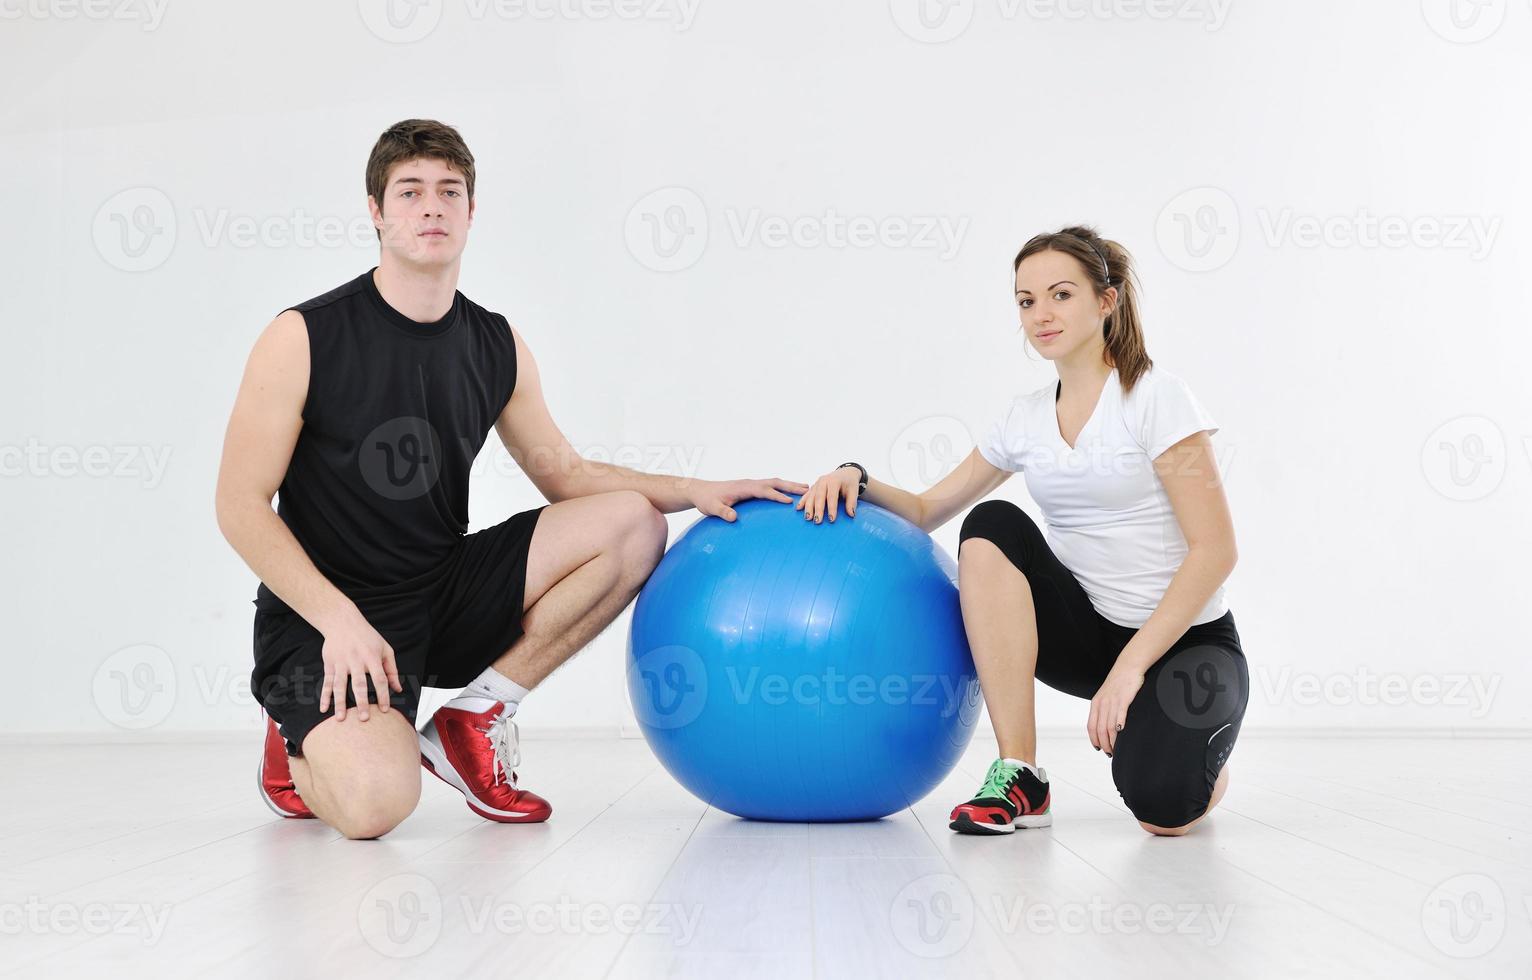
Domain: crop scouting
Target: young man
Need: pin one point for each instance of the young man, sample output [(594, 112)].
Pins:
[(366, 407)]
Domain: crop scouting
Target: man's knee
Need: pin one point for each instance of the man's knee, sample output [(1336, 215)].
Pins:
[(376, 811), (368, 772), (642, 528)]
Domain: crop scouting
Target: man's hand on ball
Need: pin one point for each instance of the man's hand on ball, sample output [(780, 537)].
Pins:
[(717, 498)]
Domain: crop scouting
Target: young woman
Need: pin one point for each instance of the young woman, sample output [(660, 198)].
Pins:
[(1121, 602)]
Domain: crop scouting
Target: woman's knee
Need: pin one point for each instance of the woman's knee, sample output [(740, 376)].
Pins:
[(1164, 803), (1003, 525)]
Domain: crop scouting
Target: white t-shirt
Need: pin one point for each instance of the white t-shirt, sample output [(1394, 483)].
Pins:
[(1105, 511)]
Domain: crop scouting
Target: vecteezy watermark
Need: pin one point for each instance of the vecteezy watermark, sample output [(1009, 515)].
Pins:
[(137, 229), (400, 21), (933, 916), (406, 21), (948, 692), (146, 464), (1365, 687), (403, 915), (138, 686), (1465, 458), (669, 229), (938, 21), (401, 459), (680, 461), (150, 13), (1464, 916), (37, 917), (926, 450), (670, 687), (1202, 687), (135, 687), (1098, 916), (567, 917), (1463, 21), (1471, 233), (1200, 230)]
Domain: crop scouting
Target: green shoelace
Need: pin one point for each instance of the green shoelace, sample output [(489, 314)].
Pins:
[(1000, 774)]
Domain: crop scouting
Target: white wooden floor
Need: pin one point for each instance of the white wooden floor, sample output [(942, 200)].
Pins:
[(1333, 857)]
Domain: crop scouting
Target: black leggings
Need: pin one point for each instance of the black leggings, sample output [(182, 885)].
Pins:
[(1182, 724)]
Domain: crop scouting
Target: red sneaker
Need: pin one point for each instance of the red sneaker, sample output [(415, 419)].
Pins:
[(476, 753), (274, 777)]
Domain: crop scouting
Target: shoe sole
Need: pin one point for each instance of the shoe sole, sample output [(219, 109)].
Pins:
[(1031, 821), (427, 753)]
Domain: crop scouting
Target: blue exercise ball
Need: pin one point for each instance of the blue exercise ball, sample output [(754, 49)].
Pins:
[(783, 670)]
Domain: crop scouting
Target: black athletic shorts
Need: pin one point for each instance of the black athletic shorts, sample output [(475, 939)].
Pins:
[(1182, 724), (445, 626)]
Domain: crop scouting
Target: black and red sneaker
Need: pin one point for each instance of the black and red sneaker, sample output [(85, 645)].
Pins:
[(1012, 796)]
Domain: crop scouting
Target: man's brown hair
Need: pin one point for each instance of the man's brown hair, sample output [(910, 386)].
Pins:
[(415, 139)]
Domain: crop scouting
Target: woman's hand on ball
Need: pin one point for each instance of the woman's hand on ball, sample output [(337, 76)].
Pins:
[(716, 498), (826, 492)]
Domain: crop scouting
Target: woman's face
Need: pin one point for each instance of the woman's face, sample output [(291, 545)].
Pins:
[(1059, 311)]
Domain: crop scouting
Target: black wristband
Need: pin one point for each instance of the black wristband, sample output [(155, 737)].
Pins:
[(861, 486)]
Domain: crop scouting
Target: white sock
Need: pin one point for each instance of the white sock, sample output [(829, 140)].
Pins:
[(493, 686), (1026, 765)]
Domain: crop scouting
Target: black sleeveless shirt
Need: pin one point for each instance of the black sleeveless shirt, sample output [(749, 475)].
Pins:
[(396, 412)]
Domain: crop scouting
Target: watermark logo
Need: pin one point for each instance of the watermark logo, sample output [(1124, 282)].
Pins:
[(401, 459), (926, 450), (1198, 230), (135, 688), (933, 916), (667, 230), (669, 687), (1464, 916), (1200, 687), (1465, 458), (135, 229), (400, 21), (401, 916), (932, 21), (1463, 21)]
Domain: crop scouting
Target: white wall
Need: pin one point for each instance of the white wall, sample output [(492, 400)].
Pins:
[(1345, 372)]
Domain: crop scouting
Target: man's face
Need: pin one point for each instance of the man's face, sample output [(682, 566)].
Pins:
[(425, 213)]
